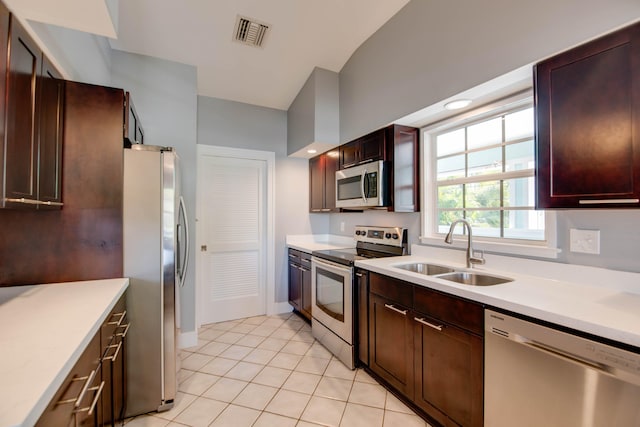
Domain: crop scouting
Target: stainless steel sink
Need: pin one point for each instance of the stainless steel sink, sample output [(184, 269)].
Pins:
[(474, 279), (424, 268)]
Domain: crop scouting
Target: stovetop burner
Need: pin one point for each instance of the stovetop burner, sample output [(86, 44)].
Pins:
[(371, 242)]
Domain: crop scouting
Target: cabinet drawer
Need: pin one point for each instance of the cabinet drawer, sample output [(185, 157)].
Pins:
[(115, 320), (450, 309), (295, 255), (301, 258), (392, 289), (305, 260)]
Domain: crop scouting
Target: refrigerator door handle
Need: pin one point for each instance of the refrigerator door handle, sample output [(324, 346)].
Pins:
[(182, 267)]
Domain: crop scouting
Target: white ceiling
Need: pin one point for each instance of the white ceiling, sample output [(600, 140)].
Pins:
[(303, 34)]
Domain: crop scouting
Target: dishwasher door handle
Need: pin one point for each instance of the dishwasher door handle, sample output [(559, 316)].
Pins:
[(571, 358)]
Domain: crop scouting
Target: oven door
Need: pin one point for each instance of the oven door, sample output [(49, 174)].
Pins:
[(332, 297)]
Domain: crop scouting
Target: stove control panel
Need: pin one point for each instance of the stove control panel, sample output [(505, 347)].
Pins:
[(394, 236)]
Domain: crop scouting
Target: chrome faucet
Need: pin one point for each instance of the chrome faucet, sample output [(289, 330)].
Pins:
[(471, 259)]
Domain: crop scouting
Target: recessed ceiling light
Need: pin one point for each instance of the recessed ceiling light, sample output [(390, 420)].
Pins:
[(312, 151), (457, 104)]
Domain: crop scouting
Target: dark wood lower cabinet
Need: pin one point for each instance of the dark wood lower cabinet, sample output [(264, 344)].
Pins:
[(428, 346), (94, 392), (300, 282), (448, 373), (70, 406), (114, 332), (391, 343)]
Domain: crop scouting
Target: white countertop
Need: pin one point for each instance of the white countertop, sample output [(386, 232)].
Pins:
[(45, 329), (319, 242), (601, 302)]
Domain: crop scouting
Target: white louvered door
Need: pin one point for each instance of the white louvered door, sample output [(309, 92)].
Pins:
[(232, 200)]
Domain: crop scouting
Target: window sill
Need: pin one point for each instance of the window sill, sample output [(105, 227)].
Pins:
[(536, 251)]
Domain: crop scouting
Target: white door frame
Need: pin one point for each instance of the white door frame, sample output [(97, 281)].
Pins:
[(240, 153)]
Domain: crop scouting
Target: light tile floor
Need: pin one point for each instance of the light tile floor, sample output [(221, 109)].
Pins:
[(271, 372)]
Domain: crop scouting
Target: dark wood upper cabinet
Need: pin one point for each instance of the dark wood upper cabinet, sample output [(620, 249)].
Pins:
[(20, 138), (133, 131), (587, 135), (50, 135), (400, 146), (33, 130), (322, 182), (368, 148)]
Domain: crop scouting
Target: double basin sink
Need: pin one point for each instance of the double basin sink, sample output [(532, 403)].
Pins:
[(448, 273)]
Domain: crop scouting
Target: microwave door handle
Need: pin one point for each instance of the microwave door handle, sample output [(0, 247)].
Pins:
[(362, 181)]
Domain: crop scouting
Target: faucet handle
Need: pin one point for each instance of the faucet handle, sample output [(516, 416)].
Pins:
[(474, 259)]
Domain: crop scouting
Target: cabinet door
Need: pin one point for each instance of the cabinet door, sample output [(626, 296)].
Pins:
[(330, 168), (405, 179), (349, 154), (588, 141), (50, 134), (295, 285), (448, 368), (133, 132), (391, 343), (305, 305), (372, 146), (362, 315), (316, 184), (21, 151)]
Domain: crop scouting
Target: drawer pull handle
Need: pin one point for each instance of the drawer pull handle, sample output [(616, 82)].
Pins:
[(431, 325), (606, 201), (123, 334), (115, 354), (33, 202), (359, 274), (90, 409), (74, 399), (85, 388), (397, 310), (122, 316)]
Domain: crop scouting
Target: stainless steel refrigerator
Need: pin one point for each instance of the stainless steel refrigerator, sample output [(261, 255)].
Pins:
[(155, 260)]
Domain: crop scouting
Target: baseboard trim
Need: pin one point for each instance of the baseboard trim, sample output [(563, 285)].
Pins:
[(279, 308), (187, 339)]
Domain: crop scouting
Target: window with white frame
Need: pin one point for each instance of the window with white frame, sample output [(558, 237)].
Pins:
[(482, 170)]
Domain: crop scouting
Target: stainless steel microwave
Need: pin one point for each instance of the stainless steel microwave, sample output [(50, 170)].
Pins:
[(364, 186)]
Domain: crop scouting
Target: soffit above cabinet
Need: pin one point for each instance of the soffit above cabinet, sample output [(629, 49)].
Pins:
[(313, 119), (90, 16)]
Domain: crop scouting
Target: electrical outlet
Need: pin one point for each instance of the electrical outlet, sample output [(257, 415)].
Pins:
[(584, 241), (341, 225)]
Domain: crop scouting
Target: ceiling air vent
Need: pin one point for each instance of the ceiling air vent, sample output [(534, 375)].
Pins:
[(250, 31)]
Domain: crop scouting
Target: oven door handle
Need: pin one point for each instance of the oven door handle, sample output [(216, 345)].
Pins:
[(329, 264)]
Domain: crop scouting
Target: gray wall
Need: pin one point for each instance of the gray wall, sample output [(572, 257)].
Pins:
[(417, 59), (233, 124), (164, 94), (434, 49), (82, 57)]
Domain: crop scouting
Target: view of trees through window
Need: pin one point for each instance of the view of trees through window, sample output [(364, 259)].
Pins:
[(485, 174)]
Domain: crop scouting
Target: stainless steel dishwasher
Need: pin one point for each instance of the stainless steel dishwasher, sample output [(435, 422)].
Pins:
[(539, 376)]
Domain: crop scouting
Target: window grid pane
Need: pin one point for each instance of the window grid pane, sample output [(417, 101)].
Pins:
[(492, 162)]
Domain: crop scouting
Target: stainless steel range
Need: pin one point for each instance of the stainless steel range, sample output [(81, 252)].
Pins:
[(332, 293)]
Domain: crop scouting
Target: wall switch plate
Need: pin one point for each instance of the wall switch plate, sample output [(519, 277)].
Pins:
[(584, 241), (341, 225)]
